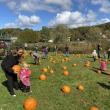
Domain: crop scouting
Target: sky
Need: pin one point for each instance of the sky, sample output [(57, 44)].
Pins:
[(37, 13)]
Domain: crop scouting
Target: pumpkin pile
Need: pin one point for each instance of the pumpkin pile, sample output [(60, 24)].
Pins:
[(30, 104)]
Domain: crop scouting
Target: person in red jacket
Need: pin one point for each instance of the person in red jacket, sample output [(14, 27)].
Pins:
[(8, 62)]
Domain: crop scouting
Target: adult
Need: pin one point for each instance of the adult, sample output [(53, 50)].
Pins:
[(98, 50), (66, 50), (108, 53), (36, 56), (9, 61)]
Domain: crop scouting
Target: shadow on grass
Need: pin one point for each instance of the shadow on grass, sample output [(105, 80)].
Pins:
[(95, 69), (4, 83), (105, 86)]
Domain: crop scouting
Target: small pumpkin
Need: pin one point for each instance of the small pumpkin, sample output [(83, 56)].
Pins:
[(30, 104), (51, 71), (42, 77), (80, 87), (16, 69), (66, 73), (74, 65), (65, 67), (94, 108), (45, 70), (99, 72), (66, 89)]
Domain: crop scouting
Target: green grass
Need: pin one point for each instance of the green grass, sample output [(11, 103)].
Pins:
[(48, 93)]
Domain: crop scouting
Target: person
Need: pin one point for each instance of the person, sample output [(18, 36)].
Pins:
[(103, 65), (25, 78), (36, 57), (8, 62), (45, 52), (98, 50), (94, 54), (66, 50), (55, 50), (108, 53), (105, 55), (25, 46)]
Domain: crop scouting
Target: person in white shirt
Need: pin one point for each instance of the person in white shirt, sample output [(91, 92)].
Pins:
[(94, 54)]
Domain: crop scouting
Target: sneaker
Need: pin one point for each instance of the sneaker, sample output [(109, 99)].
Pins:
[(13, 95)]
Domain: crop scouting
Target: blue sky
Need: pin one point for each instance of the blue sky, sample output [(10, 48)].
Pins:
[(37, 13)]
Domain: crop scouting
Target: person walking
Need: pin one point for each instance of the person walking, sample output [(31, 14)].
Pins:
[(8, 62)]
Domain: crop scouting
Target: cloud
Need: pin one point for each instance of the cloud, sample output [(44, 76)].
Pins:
[(76, 19), (35, 5), (105, 5), (66, 4), (23, 22)]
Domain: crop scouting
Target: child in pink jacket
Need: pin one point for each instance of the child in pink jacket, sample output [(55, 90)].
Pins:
[(25, 78), (103, 65)]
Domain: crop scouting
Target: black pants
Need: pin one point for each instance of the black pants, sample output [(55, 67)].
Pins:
[(12, 82), (108, 54), (24, 88)]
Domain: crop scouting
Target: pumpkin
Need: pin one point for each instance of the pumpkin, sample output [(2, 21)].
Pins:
[(66, 89), (42, 77), (94, 108), (30, 104), (65, 67), (74, 64), (16, 69), (99, 71), (66, 73), (81, 87), (51, 71), (45, 70)]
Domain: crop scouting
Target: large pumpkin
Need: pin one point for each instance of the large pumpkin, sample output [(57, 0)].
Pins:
[(30, 104), (42, 77), (66, 89), (66, 73), (16, 69), (94, 108)]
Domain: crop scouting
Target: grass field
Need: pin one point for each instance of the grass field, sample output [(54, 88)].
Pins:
[(48, 93)]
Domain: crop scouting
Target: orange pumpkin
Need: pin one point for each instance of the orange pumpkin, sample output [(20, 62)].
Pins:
[(81, 87), (66, 73), (45, 70), (65, 67), (94, 108), (30, 104), (74, 64), (16, 69), (66, 89), (42, 77)]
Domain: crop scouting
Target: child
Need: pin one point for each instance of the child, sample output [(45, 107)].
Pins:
[(36, 57), (103, 65), (105, 55), (25, 78), (94, 54)]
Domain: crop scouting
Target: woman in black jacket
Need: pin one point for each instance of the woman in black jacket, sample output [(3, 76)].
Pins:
[(7, 64)]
